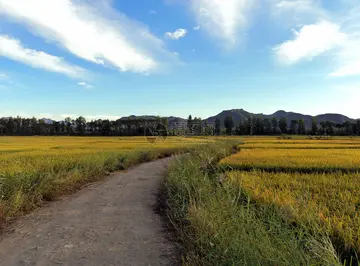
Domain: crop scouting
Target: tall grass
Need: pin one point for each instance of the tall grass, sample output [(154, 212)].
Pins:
[(220, 225)]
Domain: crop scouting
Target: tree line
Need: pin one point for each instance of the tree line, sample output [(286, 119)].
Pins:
[(75, 127), (192, 126), (273, 126)]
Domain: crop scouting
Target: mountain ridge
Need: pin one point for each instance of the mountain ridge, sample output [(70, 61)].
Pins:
[(241, 115)]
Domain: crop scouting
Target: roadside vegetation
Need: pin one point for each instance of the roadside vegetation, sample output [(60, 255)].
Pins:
[(36, 169), (220, 224), (276, 204)]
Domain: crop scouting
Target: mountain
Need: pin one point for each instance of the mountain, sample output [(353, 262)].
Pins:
[(241, 115), (48, 121), (237, 115), (337, 118), (172, 120)]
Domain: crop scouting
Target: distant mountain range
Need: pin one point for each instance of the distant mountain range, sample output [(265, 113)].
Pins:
[(241, 115)]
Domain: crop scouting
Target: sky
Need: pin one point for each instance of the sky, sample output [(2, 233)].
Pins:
[(111, 58)]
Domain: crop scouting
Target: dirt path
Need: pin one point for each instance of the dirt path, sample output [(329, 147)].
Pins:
[(108, 223)]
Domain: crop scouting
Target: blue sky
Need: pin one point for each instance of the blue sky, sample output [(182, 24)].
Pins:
[(106, 59)]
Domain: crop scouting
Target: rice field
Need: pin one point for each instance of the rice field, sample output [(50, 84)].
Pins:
[(33, 169), (304, 160), (314, 183), (331, 200), (301, 145)]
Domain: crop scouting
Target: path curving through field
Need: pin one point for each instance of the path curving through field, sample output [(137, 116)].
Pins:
[(108, 223)]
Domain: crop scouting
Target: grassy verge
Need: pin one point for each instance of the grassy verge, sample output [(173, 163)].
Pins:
[(52, 176), (220, 225)]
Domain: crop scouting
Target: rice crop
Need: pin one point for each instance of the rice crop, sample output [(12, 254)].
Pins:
[(331, 201), (293, 145), (303, 160), (33, 169)]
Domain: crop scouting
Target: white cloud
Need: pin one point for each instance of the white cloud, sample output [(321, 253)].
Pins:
[(176, 35), (98, 33), (340, 34), (222, 19), (153, 12), (85, 85), (13, 49), (310, 41), (196, 28)]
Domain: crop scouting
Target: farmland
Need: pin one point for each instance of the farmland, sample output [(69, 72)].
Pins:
[(34, 169), (305, 160), (313, 183), (272, 201)]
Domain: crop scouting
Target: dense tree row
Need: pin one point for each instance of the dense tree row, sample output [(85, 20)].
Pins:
[(272, 126), (193, 126), (78, 126)]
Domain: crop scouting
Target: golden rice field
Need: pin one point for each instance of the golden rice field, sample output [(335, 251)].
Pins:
[(323, 160), (36, 168), (302, 145), (331, 200), (314, 187)]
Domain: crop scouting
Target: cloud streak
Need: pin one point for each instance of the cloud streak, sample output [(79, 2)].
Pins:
[(98, 34), (85, 85), (222, 19), (176, 35), (14, 50)]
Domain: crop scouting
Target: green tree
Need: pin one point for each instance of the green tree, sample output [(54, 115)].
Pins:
[(293, 126), (259, 125), (330, 127), (80, 125), (314, 127), (302, 129), (267, 126), (283, 125), (323, 128), (189, 124), (348, 127), (68, 125), (217, 126), (358, 127), (229, 124), (197, 126), (250, 126), (274, 124)]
